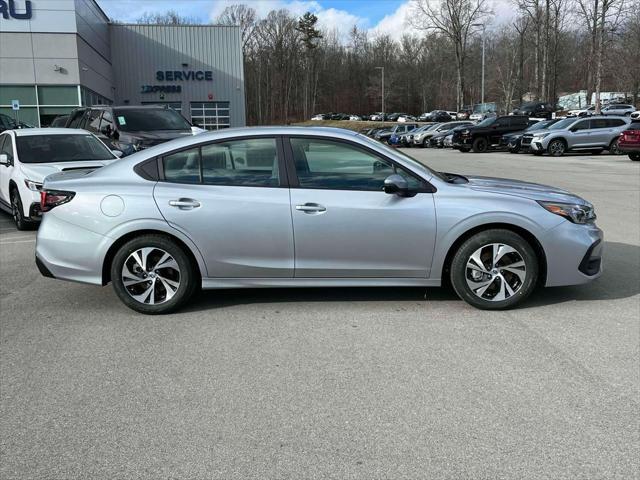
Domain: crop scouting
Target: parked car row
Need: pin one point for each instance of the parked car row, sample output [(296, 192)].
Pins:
[(520, 133)]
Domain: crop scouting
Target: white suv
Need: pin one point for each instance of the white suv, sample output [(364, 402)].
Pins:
[(28, 156)]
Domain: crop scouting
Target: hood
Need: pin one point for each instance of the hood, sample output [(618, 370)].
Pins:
[(38, 171), (533, 191)]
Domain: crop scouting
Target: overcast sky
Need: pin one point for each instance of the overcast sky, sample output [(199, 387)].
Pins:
[(378, 16)]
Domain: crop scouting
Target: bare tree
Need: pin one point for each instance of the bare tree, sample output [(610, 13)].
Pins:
[(244, 17), (454, 19), (169, 18)]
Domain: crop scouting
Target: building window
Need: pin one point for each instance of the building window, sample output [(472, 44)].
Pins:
[(91, 98), (177, 106), (210, 115)]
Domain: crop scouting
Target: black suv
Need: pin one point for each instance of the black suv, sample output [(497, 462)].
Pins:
[(536, 110), (130, 128), (487, 133)]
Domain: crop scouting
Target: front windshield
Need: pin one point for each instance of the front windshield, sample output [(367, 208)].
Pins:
[(539, 126), (486, 122), (562, 124), (61, 148), (428, 172), (149, 119)]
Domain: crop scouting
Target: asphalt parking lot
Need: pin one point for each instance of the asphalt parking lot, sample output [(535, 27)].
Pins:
[(334, 383)]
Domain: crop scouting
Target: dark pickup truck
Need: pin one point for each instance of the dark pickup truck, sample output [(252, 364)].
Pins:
[(486, 134)]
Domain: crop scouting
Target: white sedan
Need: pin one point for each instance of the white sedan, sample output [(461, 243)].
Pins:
[(27, 156)]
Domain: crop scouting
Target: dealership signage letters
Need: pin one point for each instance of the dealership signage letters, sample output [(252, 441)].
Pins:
[(8, 10), (177, 76)]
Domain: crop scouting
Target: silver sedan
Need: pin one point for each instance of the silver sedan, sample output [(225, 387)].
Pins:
[(307, 207)]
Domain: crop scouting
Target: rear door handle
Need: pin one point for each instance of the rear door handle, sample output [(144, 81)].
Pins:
[(184, 203), (311, 208)]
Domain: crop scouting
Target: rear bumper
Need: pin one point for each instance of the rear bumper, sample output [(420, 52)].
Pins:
[(68, 252)]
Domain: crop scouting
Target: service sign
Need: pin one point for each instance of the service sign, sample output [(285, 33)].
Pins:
[(16, 9), (177, 76)]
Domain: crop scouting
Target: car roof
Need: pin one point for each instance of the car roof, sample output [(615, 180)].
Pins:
[(30, 132)]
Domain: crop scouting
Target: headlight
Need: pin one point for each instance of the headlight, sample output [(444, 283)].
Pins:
[(573, 212), (464, 132), (541, 135), (31, 185)]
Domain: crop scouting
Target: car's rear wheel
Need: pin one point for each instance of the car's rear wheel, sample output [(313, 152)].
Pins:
[(614, 149), (17, 212), (556, 148), (480, 145), (494, 270), (152, 274), (635, 156)]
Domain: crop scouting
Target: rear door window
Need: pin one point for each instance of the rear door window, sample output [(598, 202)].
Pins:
[(599, 123), (615, 122), (182, 167), (249, 162)]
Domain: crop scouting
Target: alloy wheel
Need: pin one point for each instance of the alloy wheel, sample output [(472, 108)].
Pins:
[(151, 276), (495, 272), (614, 149), (556, 148)]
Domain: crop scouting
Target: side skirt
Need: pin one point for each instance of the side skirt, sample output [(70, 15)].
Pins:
[(220, 283)]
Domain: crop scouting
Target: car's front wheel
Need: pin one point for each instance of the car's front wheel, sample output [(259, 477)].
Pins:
[(480, 145), (18, 212), (494, 270), (152, 274), (556, 148), (635, 156)]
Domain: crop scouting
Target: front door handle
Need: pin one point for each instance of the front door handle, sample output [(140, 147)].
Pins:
[(311, 208), (184, 203)]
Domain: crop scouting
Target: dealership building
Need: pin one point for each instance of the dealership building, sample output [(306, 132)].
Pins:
[(56, 55)]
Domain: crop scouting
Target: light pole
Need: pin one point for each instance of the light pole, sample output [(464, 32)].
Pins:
[(483, 31), (382, 97)]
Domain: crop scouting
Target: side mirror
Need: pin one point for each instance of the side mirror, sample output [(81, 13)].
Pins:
[(573, 130), (396, 185), (4, 159), (117, 153)]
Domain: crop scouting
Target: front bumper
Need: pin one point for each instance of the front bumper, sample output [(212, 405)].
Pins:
[(574, 254), (537, 146)]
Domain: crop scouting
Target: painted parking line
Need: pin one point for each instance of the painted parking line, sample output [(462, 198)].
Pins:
[(18, 241)]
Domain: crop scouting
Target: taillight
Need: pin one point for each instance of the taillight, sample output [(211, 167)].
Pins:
[(50, 199)]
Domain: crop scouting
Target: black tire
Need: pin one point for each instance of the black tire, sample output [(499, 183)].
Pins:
[(18, 212), (556, 148), (187, 281), (480, 145), (522, 287), (635, 157), (514, 150), (614, 149)]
